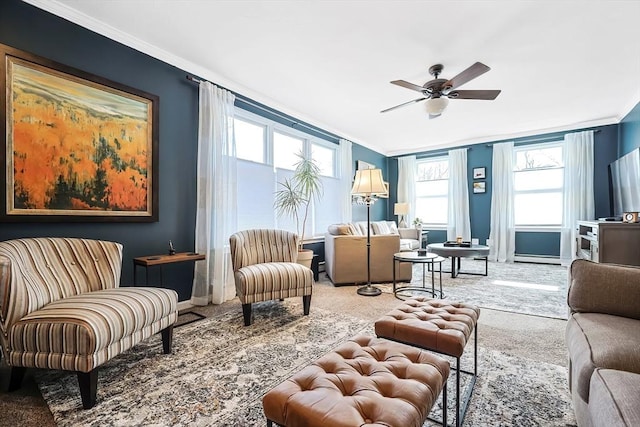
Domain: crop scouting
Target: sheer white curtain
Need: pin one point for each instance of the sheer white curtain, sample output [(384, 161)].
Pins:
[(216, 196), (458, 223), (502, 237), (346, 176), (407, 184), (578, 202)]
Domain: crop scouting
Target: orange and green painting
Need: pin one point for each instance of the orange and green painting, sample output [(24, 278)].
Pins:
[(78, 147)]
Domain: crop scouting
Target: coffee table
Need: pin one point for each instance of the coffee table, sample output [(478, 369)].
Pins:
[(431, 259), (457, 252)]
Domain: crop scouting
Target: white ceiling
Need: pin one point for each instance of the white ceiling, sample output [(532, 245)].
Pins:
[(561, 65)]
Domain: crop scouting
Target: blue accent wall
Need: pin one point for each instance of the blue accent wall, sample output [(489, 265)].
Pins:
[(379, 208), (630, 132)]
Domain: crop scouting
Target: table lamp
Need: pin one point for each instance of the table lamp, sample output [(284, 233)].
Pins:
[(401, 209)]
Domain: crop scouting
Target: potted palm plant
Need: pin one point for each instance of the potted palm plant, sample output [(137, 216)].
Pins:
[(293, 198)]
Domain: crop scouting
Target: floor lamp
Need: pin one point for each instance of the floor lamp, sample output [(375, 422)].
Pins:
[(368, 183)]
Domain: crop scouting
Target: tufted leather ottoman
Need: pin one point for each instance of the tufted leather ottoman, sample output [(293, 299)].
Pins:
[(437, 325), (364, 382)]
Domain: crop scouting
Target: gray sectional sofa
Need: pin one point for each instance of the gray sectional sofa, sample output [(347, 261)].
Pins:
[(603, 338)]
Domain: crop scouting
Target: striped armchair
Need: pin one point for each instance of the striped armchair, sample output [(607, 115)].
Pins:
[(265, 268), (61, 308)]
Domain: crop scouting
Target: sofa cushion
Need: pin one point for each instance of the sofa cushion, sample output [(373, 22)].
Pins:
[(380, 227), (340, 229), (615, 398), (83, 331), (408, 245), (601, 341)]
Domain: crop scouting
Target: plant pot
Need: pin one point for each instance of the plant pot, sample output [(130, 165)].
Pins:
[(305, 256)]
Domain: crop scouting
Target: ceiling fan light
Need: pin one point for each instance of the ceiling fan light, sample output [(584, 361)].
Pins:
[(436, 106)]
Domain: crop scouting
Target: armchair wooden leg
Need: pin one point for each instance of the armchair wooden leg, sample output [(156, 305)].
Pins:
[(167, 339), (88, 382), (306, 304), (16, 374), (246, 313)]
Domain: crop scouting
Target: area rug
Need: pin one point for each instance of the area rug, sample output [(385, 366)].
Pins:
[(525, 288), (219, 371)]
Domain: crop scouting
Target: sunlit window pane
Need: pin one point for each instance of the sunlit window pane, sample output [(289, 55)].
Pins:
[(325, 158), (286, 150), (250, 141), (432, 210), (432, 189), (538, 179), (432, 169), (539, 158), (538, 208)]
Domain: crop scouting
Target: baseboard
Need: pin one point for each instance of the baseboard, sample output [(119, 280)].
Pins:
[(537, 259), (185, 305)]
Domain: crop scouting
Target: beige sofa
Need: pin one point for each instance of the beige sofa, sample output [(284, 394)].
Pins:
[(345, 251), (603, 338)]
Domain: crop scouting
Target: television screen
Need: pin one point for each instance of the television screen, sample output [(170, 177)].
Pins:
[(625, 183)]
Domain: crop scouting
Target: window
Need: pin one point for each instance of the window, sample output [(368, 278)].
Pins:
[(538, 184), (250, 140), (432, 190), (267, 153), (325, 158), (285, 150)]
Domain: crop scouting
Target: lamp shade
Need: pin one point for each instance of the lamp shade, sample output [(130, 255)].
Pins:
[(436, 106), (401, 208), (368, 182)]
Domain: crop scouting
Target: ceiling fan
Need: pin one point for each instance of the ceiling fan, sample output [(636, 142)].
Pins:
[(437, 92)]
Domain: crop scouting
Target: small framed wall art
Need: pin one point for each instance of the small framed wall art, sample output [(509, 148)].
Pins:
[(480, 187), (479, 173)]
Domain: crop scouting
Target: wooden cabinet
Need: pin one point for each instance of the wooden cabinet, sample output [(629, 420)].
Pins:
[(608, 241)]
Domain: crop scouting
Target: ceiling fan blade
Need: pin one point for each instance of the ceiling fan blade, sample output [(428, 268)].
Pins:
[(408, 85), (470, 73), (474, 94), (403, 104)]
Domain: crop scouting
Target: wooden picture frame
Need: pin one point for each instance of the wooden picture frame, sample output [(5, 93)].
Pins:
[(76, 147), (479, 173)]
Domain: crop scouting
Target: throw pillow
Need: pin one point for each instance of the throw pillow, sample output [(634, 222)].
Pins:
[(380, 227), (344, 230), (393, 227)]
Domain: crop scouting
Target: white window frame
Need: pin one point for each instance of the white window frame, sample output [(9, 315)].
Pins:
[(267, 158), (528, 147), (442, 158), (308, 139)]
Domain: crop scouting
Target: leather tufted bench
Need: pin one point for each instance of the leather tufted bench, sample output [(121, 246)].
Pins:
[(437, 325), (364, 382)]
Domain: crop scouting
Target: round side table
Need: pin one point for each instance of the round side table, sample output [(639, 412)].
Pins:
[(431, 259)]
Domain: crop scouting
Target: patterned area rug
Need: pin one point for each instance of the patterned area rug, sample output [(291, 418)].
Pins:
[(536, 289), (219, 371)]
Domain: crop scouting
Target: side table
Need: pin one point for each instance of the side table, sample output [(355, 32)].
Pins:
[(160, 260), (413, 257)]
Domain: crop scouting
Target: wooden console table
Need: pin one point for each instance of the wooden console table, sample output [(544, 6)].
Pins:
[(153, 260)]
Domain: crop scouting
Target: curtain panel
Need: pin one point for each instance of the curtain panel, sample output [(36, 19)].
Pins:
[(458, 222), (502, 237), (346, 177), (407, 184), (578, 201), (216, 196)]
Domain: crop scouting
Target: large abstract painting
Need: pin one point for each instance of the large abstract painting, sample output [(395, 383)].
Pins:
[(77, 147)]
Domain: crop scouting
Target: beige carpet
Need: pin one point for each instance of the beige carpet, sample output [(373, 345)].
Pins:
[(535, 338)]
